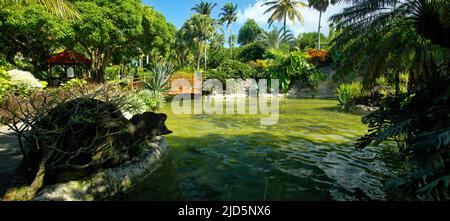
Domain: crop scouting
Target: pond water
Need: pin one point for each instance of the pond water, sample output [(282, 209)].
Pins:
[(308, 156)]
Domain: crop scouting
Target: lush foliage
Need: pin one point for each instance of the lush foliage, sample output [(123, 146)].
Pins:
[(293, 66), (319, 57), (249, 32), (389, 38), (348, 92), (252, 52), (231, 69)]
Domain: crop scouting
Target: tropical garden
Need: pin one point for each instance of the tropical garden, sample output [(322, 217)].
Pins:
[(364, 113)]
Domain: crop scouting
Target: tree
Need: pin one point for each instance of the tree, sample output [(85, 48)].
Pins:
[(61, 8), (34, 32), (196, 32), (158, 35), (275, 38), (282, 10), (204, 8), (249, 32), (321, 6), (229, 16), (252, 52), (309, 40), (107, 27)]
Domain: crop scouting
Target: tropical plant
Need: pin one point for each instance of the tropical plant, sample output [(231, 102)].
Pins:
[(231, 69), (252, 52), (153, 100), (348, 92), (74, 83), (204, 8), (229, 16), (61, 8), (293, 66), (321, 6), (249, 32), (196, 32), (282, 10), (381, 37), (276, 38), (158, 78)]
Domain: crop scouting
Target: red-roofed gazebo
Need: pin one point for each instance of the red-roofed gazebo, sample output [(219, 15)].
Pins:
[(66, 59)]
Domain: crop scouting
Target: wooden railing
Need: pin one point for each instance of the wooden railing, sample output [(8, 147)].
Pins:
[(136, 84)]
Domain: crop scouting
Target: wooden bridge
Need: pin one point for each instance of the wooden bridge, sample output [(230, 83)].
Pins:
[(186, 88)]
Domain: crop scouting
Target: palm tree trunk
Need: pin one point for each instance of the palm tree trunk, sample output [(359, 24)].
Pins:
[(284, 25), (205, 54), (199, 58), (318, 32), (229, 41)]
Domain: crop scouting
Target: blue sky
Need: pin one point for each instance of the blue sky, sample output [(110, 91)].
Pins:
[(178, 11)]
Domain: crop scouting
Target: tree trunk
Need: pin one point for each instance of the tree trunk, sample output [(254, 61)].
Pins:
[(199, 58), (230, 41), (284, 26), (205, 54), (397, 83), (318, 32)]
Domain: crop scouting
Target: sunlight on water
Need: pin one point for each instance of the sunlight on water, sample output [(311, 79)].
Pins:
[(308, 155)]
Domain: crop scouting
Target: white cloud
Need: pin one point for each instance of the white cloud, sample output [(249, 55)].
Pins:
[(256, 11)]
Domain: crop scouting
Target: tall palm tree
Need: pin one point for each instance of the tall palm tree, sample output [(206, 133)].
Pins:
[(275, 38), (321, 6), (229, 16), (196, 32), (61, 8), (284, 9), (204, 8)]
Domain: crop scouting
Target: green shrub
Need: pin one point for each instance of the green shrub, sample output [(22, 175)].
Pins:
[(153, 100), (231, 69), (112, 73), (348, 92), (293, 66), (252, 52), (19, 85), (74, 83)]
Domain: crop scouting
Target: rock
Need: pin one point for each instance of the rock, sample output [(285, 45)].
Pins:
[(362, 109), (109, 182)]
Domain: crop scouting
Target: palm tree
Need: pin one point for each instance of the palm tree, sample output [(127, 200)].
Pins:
[(61, 8), (229, 16), (321, 6), (196, 32), (204, 8), (284, 9), (275, 38)]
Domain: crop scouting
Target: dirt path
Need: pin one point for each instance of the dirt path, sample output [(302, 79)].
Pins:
[(10, 157)]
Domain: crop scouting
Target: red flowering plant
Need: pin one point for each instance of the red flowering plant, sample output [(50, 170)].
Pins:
[(318, 57)]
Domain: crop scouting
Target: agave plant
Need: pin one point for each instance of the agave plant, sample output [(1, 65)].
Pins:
[(158, 79)]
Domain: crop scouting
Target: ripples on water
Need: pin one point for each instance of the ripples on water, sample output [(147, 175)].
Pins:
[(308, 156)]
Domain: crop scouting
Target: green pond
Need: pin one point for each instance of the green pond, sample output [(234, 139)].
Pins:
[(308, 156)]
